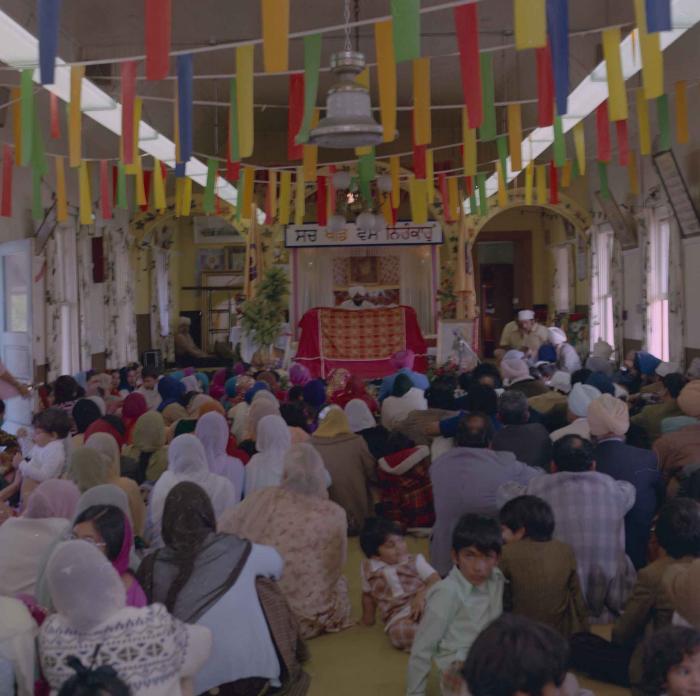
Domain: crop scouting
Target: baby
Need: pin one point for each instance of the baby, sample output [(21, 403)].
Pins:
[(672, 661), (394, 580)]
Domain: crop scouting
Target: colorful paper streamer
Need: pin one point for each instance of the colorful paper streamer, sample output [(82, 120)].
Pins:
[(553, 184), (386, 77), (419, 165), (515, 136), (603, 178), (545, 87), (185, 107), (664, 120), (682, 132), (419, 201), (158, 29), (128, 93), (299, 197), (558, 30), (502, 150), (405, 16), (394, 171), (49, 14), (248, 189), (466, 21), (244, 98), (483, 197), (27, 101), (469, 149), (622, 143), (529, 181), (422, 131), (55, 128), (271, 195), (366, 172), (603, 132), (566, 175), (530, 20), (487, 131), (84, 194), (652, 58), (275, 34), (186, 196), (312, 64), (617, 94), (541, 183), (321, 202), (559, 142), (643, 122), (502, 193), (77, 72), (658, 14), (208, 198), (122, 203), (61, 202), (430, 175)]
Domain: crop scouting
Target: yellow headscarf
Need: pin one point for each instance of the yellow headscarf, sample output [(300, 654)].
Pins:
[(335, 423)]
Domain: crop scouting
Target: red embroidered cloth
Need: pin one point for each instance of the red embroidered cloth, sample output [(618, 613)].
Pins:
[(360, 340)]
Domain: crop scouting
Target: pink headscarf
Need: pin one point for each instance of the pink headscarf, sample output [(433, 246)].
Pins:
[(216, 390), (299, 375), (135, 596), (403, 359), (53, 498)]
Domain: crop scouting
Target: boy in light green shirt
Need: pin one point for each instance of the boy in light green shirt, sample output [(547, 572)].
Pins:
[(460, 607)]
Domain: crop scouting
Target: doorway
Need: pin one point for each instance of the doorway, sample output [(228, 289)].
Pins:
[(496, 287)]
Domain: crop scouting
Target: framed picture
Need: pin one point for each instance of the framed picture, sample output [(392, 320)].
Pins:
[(209, 260), (235, 258), (364, 270), (449, 336)]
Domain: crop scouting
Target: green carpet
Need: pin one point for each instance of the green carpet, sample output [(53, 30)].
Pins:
[(361, 661)]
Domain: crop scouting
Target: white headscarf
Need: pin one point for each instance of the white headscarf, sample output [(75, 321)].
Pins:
[(304, 471), (556, 335), (396, 408), (265, 468), (239, 415), (580, 398), (17, 633), (187, 461), (359, 415), (212, 430), (85, 588), (263, 395)]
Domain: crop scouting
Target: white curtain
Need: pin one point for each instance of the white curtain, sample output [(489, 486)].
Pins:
[(617, 295), (562, 278), (676, 299), (85, 291), (54, 295), (643, 222), (161, 294), (417, 285)]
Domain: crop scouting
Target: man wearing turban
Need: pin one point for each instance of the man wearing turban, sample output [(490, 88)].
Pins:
[(524, 334), (580, 398)]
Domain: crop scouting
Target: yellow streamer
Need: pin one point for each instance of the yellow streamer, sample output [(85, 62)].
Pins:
[(632, 173), (419, 201), (580, 146), (541, 184), (285, 196), (453, 197), (394, 169), (643, 123), (617, 95), (681, 112), (186, 196), (386, 73), (310, 154), (363, 78), (300, 198), (140, 185), (652, 59), (61, 203), (468, 146), (515, 137), (502, 187), (158, 187), (77, 73), (275, 22), (421, 101), (530, 24), (430, 175), (84, 192), (16, 123), (387, 211), (133, 168), (272, 187), (244, 97), (248, 189), (566, 175), (529, 176), (178, 196)]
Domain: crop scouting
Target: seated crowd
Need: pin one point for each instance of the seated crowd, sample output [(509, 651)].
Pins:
[(187, 533)]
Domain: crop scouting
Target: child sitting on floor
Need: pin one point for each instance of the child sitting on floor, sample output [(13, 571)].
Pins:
[(542, 578), (459, 607), (672, 662), (394, 580)]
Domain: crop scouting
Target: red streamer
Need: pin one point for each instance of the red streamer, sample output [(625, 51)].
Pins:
[(553, 184), (545, 87), (128, 73), (105, 198), (55, 123), (467, 29), (603, 129), (331, 188), (469, 185), (7, 163), (233, 171), (623, 148), (295, 116), (419, 164), (158, 30), (147, 177), (444, 196), (321, 202), (115, 178)]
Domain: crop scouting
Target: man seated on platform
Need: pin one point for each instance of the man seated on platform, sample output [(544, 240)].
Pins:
[(358, 299), (186, 350), (402, 362), (525, 334)]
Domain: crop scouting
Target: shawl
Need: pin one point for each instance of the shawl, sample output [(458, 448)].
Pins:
[(88, 468), (217, 388), (133, 408), (337, 381), (148, 448), (396, 408), (359, 416), (258, 410), (239, 415), (173, 412), (53, 498), (103, 426), (17, 633), (213, 432), (265, 468)]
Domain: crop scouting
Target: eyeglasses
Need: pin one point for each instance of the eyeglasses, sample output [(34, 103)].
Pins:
[(90, 540)]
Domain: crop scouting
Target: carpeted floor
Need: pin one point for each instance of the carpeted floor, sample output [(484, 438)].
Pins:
[(361, 662)]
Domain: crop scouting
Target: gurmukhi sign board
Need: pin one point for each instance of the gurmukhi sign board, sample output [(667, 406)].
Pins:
[(400, 234)]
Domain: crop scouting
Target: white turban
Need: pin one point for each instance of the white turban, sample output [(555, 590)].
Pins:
[(526, 315), (581, 397), (514, 355), (561, 381), (556, 335), (514, 369), (606, 415), (356, 290), (602, 349), (667, 368)]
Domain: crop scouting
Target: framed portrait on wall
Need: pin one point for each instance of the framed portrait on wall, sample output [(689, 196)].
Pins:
[(364, 270)]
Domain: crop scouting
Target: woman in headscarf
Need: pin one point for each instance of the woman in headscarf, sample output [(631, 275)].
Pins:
[(272, 442), (315, 393), (257, 386), (294, 415), (171, 392), (187, 461), (208, 578), (309, 531), (148, 448), (18, 632), (338, 380), (228, 400), (212, 430), (299, 375), (150, 650), (25, 539), (217, 389), (133, 408), (363, 423), (197, 403), (258, 410), (107, 446), (355, 388), (404, 399), (85, 413), (108, 528), (88, 468), (109, 425), (350, 465)]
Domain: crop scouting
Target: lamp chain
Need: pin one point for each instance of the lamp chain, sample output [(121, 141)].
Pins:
[(348, 43)]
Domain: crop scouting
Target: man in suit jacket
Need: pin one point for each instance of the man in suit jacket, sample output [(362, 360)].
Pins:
[(609, 420)]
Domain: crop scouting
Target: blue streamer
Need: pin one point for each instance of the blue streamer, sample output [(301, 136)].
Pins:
[(558, 29), (180, 170), (49, 12), (658, 15), (185, 114)]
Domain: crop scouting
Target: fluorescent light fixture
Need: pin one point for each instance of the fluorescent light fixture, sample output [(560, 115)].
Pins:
[(593, 89), (20, 49)]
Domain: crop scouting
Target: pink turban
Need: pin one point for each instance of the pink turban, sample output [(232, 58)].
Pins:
[(403, 359), (689, 399), (299, 375), (606, 415)]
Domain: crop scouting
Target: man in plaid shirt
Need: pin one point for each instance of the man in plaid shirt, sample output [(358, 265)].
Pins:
[(589, 512)]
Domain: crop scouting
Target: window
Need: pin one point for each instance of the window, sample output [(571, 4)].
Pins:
[(657, 338), (601, 289)]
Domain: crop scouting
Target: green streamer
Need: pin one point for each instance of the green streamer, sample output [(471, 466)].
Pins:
[(312, 64), (121, 187), (502, 145), (405, 16), (487, 130), (559, 143), (38, 156), (366, 172), (483, 198), (26, 93), (603, 176), (240, 185), (664, 122), (473, 207), (233, 150), (208, 200), (575, 171)]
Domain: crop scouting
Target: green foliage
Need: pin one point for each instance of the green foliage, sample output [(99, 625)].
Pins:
[(263, 315)]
